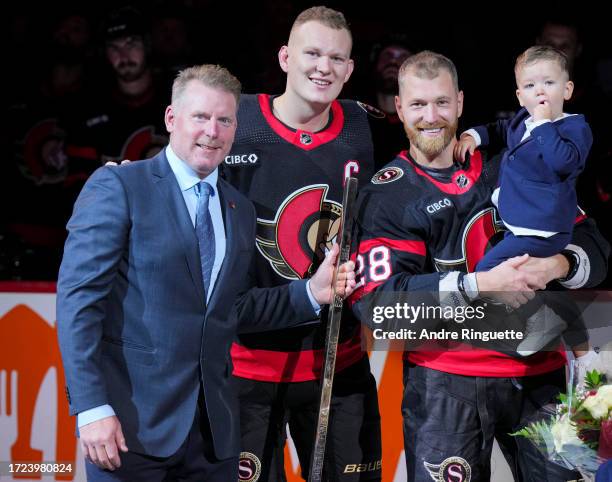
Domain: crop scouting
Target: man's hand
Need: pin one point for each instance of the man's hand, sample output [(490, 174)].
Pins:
[(100, 442), (508, 284), (465, 144), (322, 281), (546, 269), (112, 163)]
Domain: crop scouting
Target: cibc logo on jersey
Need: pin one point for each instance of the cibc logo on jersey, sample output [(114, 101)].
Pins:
[(304, 228), (438, 205), (241, 159)]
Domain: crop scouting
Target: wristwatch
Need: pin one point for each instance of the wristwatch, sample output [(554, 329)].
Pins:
[(462, 287), (574, 261)]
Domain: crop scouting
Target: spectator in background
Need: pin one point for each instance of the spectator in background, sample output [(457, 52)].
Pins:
[(171, 44), (386, 57), (121, 118), (597, 179), (72, 33), (38, 182), (563, 34)]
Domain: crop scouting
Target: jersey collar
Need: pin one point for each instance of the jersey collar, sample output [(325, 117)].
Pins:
[(461, 180), (303, 139)]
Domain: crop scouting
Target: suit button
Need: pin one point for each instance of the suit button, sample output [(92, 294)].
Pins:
[(540, 140), (511, 158)]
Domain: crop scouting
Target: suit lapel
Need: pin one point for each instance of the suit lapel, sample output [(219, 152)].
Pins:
[(229, 221), (517, 130), (518, 142), (179, 216)]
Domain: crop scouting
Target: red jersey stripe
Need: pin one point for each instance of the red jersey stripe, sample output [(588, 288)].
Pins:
[(298, 366), (416, 247)]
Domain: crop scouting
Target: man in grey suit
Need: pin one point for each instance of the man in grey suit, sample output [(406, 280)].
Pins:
[(151, 293)]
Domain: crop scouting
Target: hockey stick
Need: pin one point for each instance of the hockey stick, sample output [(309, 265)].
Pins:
[(333, 331)]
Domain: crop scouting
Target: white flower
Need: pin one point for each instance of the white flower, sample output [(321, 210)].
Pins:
[(564, 433), (599, 405)]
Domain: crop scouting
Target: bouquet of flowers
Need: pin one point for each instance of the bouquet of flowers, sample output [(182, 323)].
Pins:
[(577, 432)]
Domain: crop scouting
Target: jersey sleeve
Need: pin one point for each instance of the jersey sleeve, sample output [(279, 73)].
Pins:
[(591, 252)]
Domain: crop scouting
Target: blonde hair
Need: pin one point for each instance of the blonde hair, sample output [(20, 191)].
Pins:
[(427, 65), (213, 76), (327, 16), (538, 53)]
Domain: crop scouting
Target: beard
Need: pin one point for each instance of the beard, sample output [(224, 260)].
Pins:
[(387, 85), (431, 147), (130, 71), (386, 81)]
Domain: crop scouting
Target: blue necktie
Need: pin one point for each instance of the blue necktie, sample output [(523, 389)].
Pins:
[(205, 233)]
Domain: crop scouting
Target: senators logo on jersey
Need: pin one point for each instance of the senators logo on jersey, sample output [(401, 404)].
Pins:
[(304, 228), (43, 158), (141, 144), (452, 469), (387, 174), (476, 239)]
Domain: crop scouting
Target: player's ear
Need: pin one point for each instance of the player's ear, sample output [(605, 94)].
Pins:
[(398, 107), (459, 103), (351, 67), (283, 58)]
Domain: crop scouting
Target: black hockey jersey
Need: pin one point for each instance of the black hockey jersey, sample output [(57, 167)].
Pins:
[(295, 180), (413, 225), (114, 127), (38, 185)]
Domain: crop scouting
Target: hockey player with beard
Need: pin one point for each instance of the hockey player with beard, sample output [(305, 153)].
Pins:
[(423, 224), (290, 157)]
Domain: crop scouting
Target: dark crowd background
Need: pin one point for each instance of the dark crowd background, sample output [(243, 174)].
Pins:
[(67, 110)]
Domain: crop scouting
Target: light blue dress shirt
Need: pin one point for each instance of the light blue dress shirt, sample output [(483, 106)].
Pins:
[(187, 180)]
